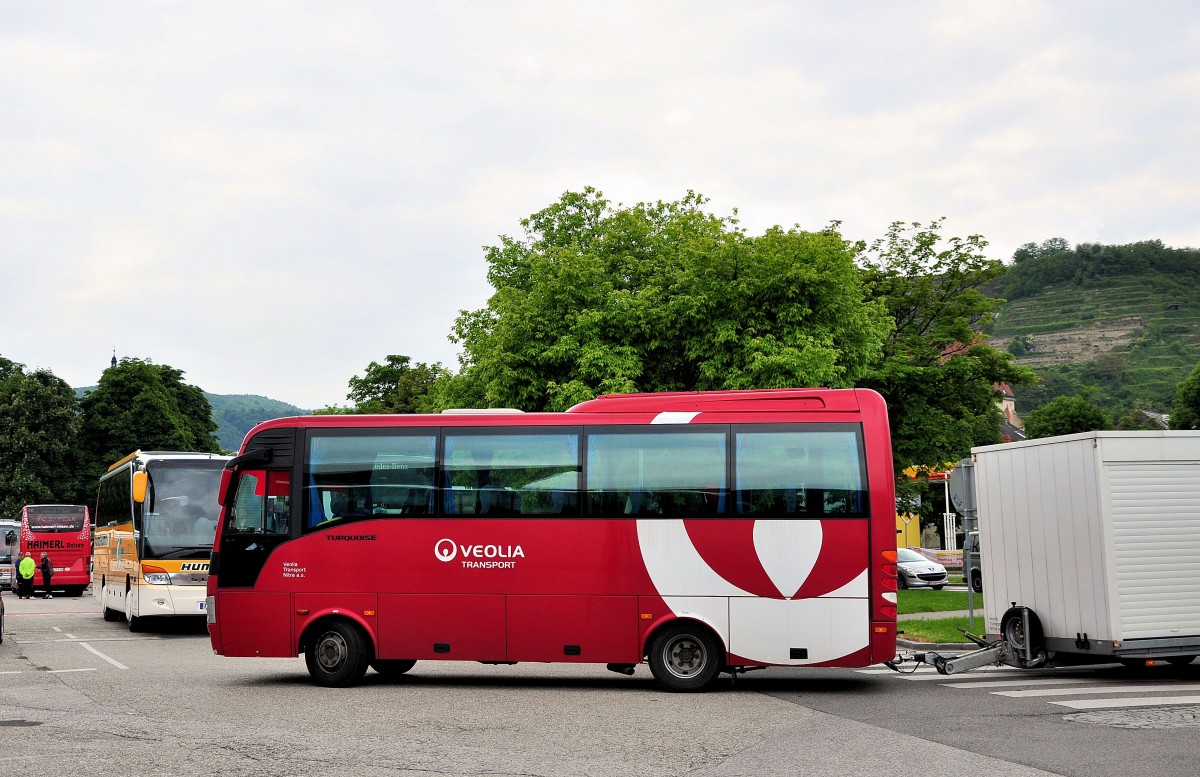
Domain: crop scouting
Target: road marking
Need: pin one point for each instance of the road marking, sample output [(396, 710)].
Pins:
[(1027, 681), (112, 661), (70, 636), (982, 677), (60, 671), (56, 628), (9, 672), (1099, 704), (1099, 689)]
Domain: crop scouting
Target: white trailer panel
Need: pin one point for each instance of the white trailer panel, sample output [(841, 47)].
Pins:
[(1097, 533)]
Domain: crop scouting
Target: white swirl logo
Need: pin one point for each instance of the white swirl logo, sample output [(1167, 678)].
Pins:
[(445, 550)]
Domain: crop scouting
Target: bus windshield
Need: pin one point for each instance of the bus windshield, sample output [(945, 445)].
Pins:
[(180, 516), (55, 518)]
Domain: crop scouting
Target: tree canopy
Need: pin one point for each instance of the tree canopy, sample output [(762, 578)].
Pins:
[(938, 376), (396, 386), (599, 299), (1065, 415), (38, 431), (1186, 414), (139, 404)]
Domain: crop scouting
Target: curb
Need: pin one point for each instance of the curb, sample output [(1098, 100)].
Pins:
[(927, 647)]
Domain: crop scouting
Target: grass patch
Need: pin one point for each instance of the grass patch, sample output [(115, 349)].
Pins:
[(917, 600), (940, 630)]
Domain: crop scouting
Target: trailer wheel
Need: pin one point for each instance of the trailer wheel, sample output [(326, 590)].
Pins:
[(1180, 660), (1012, 628), (977, 581)]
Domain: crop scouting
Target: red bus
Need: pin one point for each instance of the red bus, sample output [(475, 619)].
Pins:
[(65, 534), (696, 532)]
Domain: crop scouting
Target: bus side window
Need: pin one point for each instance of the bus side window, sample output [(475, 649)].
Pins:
[(278, 518), (246, 513)]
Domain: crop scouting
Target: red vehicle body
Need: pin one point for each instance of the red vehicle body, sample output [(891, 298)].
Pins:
[(64, 532), (701, 532)]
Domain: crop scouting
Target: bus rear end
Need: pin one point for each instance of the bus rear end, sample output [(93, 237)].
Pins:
[(63, 532)]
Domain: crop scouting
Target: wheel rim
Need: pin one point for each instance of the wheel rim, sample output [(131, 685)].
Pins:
[(684, 656), (332, 651), (1014, 632)]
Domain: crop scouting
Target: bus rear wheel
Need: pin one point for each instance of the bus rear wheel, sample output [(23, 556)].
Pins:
[(392, 668), (337, 655), (685, 657)]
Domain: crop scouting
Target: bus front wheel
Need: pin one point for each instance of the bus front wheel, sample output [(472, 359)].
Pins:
[(135, 623), (110, 614), (337, 655), (685, 657)]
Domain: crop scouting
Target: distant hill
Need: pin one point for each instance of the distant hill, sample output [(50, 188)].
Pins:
[(1123, 321), (237, 414)]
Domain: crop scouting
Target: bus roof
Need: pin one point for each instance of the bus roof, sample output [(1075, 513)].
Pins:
[(616, 408)]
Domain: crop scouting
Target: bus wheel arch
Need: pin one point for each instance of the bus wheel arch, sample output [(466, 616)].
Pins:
[(337, 651), (685, 654)]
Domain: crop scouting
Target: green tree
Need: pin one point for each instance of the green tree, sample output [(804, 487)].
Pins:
[(139, 404), (396, 386), (38, 432), (1065, 415), (939, 378), (1186, 414), (659, 297)]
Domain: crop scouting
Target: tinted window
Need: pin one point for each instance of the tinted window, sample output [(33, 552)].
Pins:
[(55, 518), (817, 471), (352, 477), (504, 474), (671, 473)]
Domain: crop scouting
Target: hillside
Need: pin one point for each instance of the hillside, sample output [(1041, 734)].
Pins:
[(236, 414), (1123, 321)]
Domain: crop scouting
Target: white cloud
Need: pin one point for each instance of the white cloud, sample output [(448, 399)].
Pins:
[(270, 196)]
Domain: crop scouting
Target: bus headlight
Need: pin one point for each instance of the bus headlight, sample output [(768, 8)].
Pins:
[(155, 575)]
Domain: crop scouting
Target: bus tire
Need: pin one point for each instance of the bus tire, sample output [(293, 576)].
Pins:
[(685, 657), (337, 654), (1180, 660), (135, 623), (110, 614), (391, 668)]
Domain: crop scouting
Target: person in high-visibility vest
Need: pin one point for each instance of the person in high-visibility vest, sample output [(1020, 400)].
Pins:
[(25, 572)]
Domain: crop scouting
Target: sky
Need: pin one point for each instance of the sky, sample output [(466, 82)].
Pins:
[(269, 196)]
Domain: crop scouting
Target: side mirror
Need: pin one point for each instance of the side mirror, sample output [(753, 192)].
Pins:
[(10, 538), (140, 481)]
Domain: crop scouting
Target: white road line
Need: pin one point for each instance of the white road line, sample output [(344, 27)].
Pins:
[(112, 661), (56, 628), (1100, 689), (1099, 704), (60, 671), (8, 672), (70, 636), (974, 679), (1028, 681)]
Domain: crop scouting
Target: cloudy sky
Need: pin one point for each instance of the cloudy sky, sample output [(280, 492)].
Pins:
[(269, 196)]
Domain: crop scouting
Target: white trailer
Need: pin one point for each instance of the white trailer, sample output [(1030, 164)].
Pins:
[(1090, 549)]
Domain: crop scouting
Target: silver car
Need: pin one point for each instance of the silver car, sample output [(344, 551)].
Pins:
[(915, 571)]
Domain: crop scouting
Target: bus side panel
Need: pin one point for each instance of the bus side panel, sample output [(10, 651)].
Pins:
[(596, 629), (253, 623), (461, 627)]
